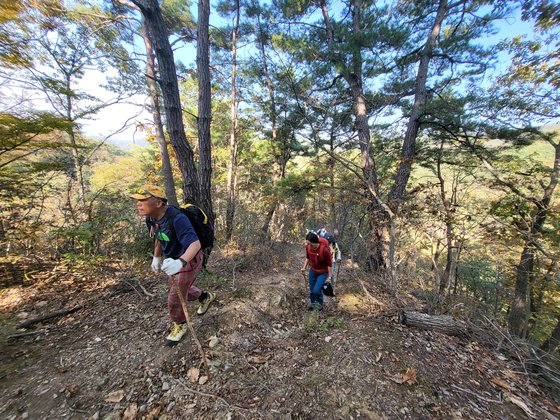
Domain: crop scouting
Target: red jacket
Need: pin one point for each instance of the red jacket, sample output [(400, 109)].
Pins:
[(321, 259)]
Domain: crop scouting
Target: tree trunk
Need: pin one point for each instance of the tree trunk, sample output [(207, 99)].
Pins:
[(204, 108), (279, 173), (166, 171), (420, 98), (232, 164), (332, 192), (554, 340), (170, 90), (279, 166), (518, 313), (380, 216), (379, 241), (447, 206), (442, 323), (77, 173)]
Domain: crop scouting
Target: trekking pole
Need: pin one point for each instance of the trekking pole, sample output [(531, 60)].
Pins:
[(305, 280), (191, 329), (338, 271)]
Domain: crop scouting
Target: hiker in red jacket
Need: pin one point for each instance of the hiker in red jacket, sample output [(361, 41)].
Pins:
[(319, 259)]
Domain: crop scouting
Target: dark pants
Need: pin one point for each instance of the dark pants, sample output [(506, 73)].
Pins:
[(316, 282)]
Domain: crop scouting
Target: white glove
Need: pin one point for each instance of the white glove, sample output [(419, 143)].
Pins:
[(171, 266), (156, 264)]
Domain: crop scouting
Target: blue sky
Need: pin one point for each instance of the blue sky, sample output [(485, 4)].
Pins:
[(111, 119)]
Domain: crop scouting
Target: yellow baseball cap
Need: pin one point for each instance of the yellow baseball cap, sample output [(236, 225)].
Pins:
[(147, 191)]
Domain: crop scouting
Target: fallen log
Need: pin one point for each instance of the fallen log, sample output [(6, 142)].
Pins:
[(56, 314), (25, 334), (445, 324)]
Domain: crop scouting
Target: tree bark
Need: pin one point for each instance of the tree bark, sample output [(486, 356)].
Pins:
[(518, 313), (204, 108), (166, 170), (232, 163), (554, 340), (77, 172), (447, 206), (279, 165), (170, 91), (420, 98), (30, 322), (442, 323), (332, 192), (378, 240)]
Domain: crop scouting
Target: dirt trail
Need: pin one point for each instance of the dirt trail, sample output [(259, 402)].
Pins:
[(270, 358)]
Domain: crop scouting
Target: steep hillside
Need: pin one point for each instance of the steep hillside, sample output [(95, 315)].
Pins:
[(269, 357)]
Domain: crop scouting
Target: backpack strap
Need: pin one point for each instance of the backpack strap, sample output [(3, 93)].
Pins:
[(187, 205)]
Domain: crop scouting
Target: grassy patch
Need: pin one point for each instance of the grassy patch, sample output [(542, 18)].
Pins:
[(83, 260), (314, 323), (331, 322)]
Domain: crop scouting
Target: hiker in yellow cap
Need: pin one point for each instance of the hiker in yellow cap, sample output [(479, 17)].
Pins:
[(176, 239)]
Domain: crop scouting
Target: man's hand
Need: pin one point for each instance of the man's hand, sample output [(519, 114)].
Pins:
[(156, 264), (171, 266)]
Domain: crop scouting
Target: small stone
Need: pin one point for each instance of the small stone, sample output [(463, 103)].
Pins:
[(165, 386), (213, 341), (25, 415), (214, 363)]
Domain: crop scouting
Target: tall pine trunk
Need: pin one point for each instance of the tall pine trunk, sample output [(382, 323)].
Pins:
[(383, 215), (447, 206), (77, 172), (166, 169), (204, 108), (378, 241), (232, 163), (332, 192), (408, 150), (170, 91), (279, 167), (519, 314)]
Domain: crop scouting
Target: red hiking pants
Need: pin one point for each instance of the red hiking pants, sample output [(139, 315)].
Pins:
[(185, 278)]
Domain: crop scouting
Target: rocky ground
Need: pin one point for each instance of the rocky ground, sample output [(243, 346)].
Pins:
[(268, 357)]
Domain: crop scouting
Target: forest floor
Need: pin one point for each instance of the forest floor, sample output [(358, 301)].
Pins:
[(269, 357)]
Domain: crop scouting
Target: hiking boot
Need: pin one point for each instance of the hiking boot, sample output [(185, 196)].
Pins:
[(310, 307), (206, 303), (177, 332), (317, 306)]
